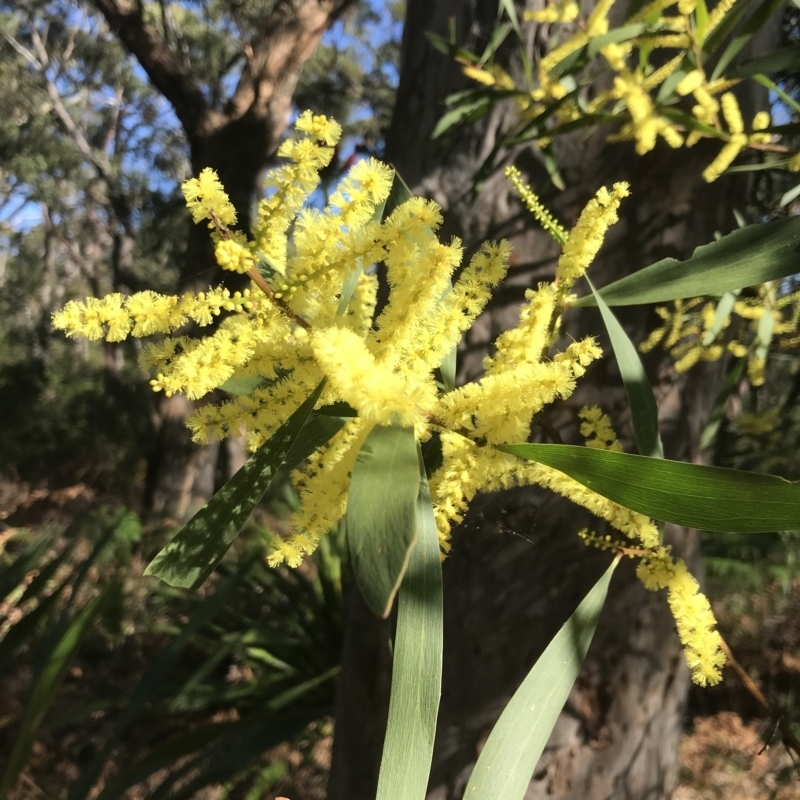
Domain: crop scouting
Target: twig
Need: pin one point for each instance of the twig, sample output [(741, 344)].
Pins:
[(258, 280), (543, 422), (788, 737)]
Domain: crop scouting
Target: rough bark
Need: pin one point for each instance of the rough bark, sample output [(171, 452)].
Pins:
[(237, 140), (518, 570)]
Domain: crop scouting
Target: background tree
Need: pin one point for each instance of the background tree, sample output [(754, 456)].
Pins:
[(619, 734), (95, 144)]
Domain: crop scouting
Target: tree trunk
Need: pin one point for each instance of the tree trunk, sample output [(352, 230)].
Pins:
[(517, 569)]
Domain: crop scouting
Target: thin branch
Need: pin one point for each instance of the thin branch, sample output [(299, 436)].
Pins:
[(165, 70), (22, 50), (97, 160)]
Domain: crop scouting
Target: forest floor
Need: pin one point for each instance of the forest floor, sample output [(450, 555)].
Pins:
[(730, 749)]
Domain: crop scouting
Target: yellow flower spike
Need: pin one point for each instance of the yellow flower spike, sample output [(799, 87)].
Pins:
[(692, 81), (725, 158), (380, 395), (761, 121), (233, 256), (718, 14), (560, 11), (579, 355), (733, 116), (95, 318), (319, 127), (528, 341), (756, 371), (722, 85), (597, 24), (651, 9), (206, 199), (694, 618), (616, 55), (586, 237), (597, 429), (794, 163), (478, 74), (441, 331)]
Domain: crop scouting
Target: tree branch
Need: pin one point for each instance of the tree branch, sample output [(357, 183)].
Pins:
[(98, 160), (168, 75), (287, 40)]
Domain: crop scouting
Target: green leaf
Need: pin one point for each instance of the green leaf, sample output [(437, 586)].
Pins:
[(348, 289), (747, 257), (725, 27), (773, 87), (693, 495), (460, 114), (510, 9), (615, 36), (448, 370), (787, 197), (551, 165), (497, 38), (642, 402), (318, 430), (197, 548), (750, 28), (715, 417), (773, 164), (26, 561), (398, 194), (784, 60), (417, 669), (723, 311), (381, 513), (46, 684), (508, 759), (450, 48), (701, 22), (154, 681), (242, 385)]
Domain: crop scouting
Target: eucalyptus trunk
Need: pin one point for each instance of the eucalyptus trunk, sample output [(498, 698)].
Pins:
[(517, 569)]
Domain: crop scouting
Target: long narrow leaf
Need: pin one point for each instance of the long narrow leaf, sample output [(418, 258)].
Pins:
[(693, 495), (152, 683), (747, 257), (197, 548), (26, 561), (507, 761), (754, 24), (715, 417), (417, 670), (642, 402), (45, 686), (785, 59), (381, 513)]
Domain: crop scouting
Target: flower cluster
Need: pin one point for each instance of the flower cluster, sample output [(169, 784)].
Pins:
[(647, 98), (657, 569), (695, 330), (311, 315)]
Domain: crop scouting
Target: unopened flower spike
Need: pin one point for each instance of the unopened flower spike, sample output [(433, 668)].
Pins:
[(535, 205)]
